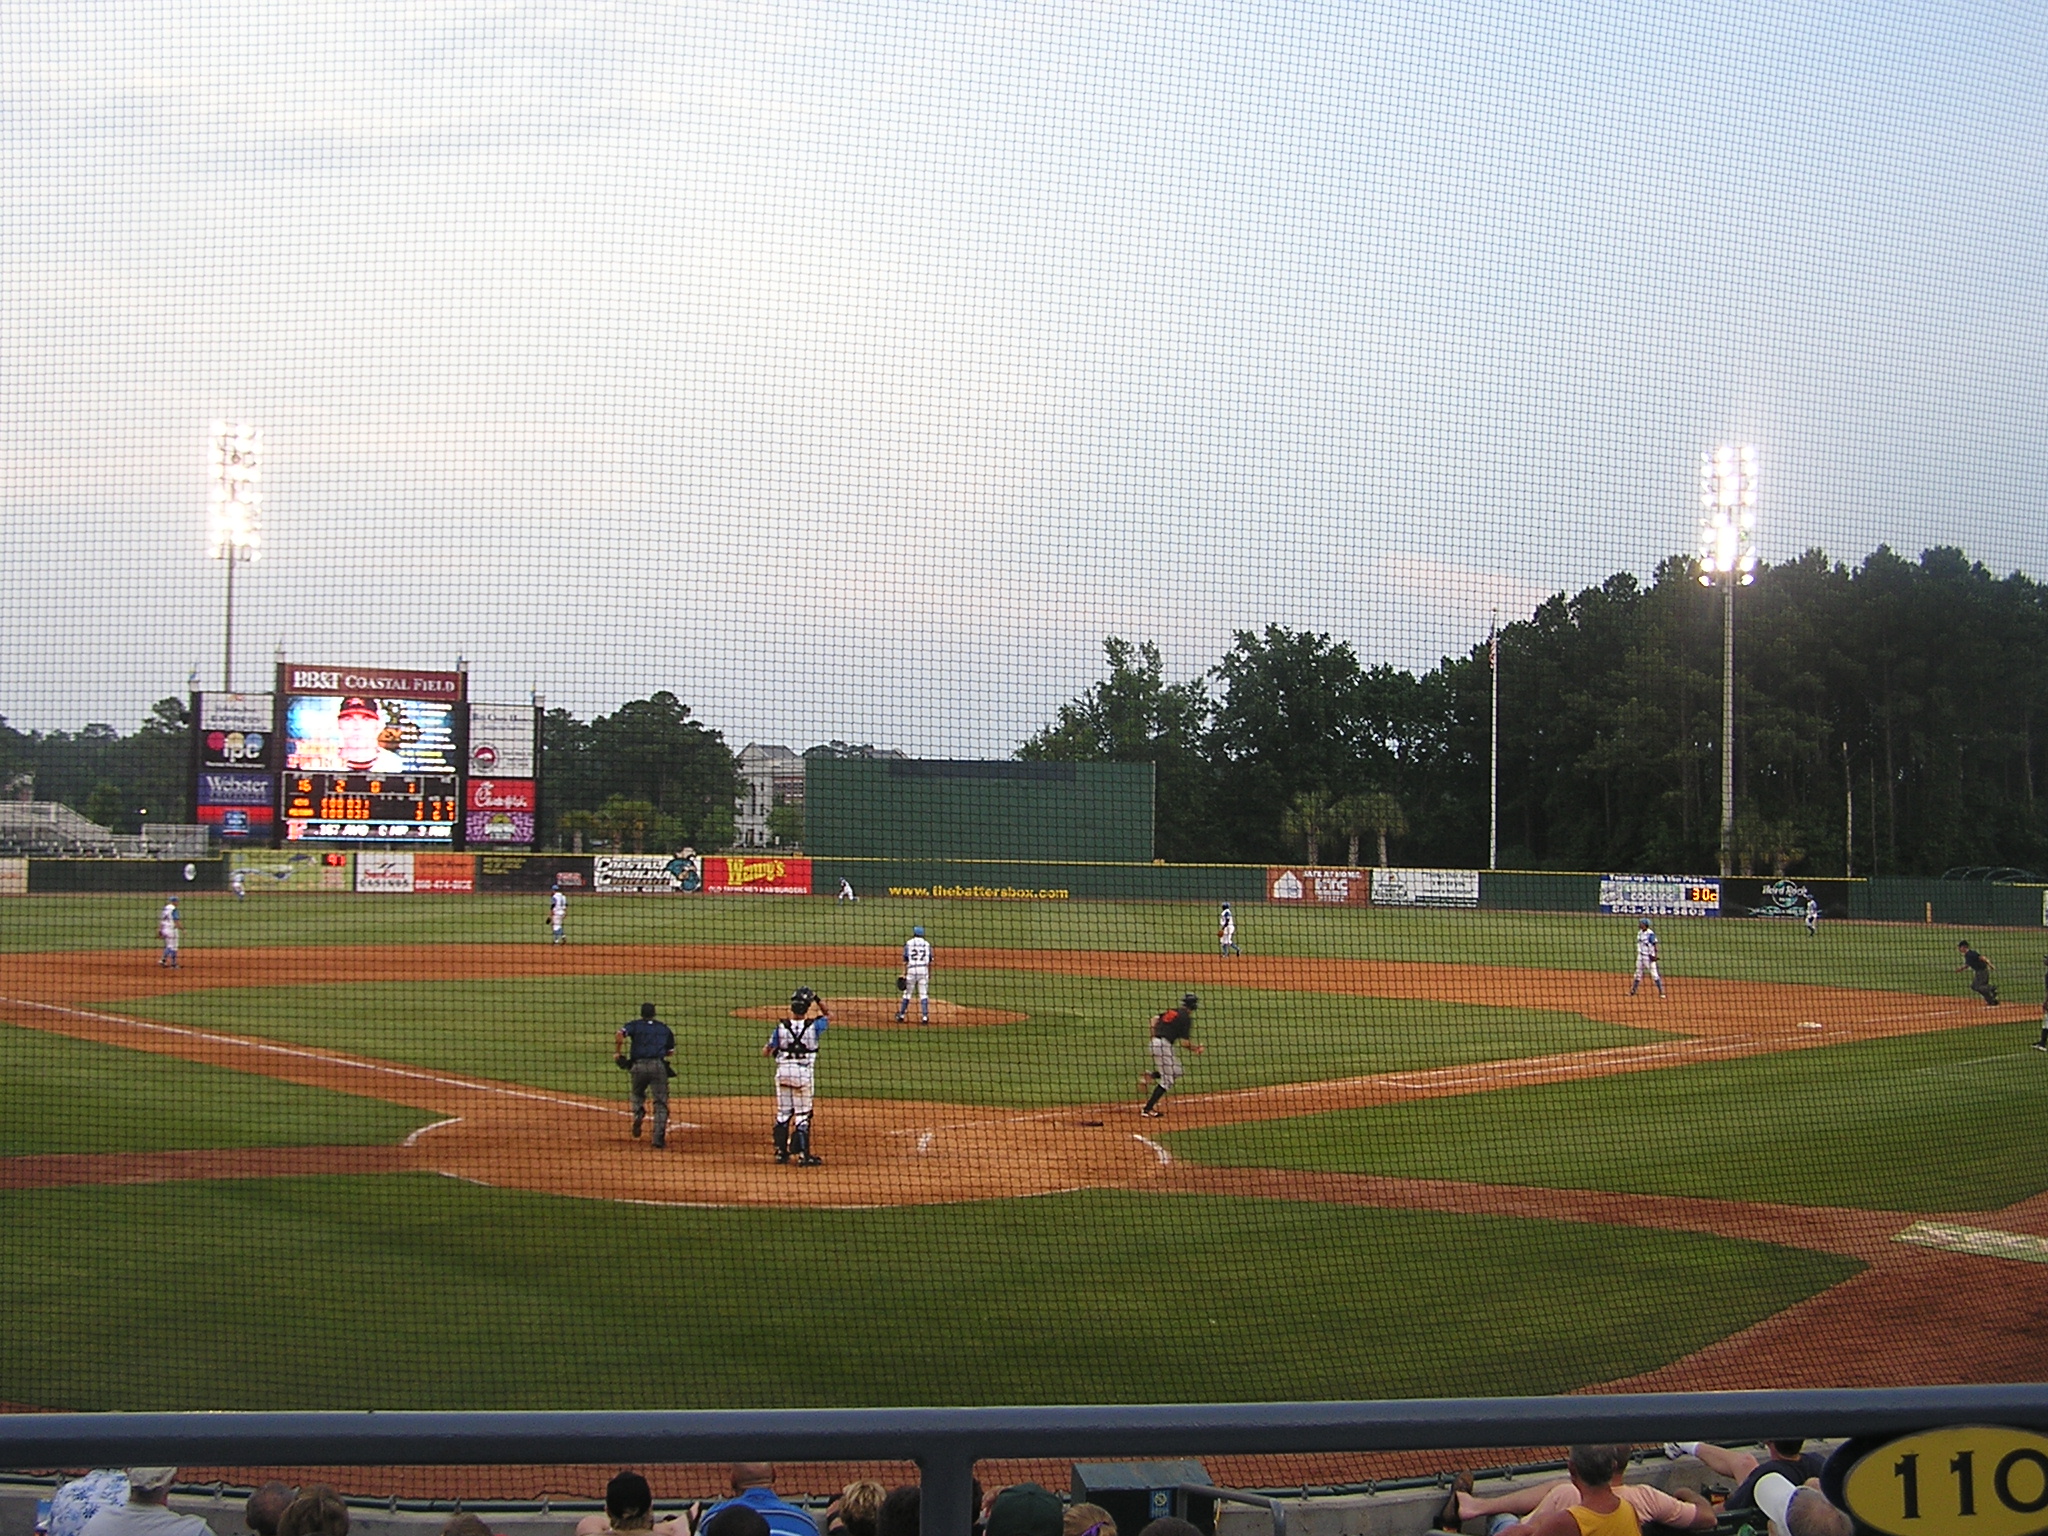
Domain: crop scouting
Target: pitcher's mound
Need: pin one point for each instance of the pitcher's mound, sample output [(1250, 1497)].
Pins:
[(880, 1013)]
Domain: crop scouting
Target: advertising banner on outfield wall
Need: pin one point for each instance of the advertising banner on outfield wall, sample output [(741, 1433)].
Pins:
[(1782, 896), (237, 806), (640, 874), (530, 873), (421, 874), (289, 870), (1661, 895), (1425, 887), (732, 874), (234, 730), (501, 741), (388, 873), (499, 811), (1319, 887)]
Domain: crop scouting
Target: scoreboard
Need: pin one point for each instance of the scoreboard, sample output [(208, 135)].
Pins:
[(371, 807)]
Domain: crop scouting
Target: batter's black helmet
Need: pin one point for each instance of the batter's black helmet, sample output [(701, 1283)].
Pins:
[(1189, 1000)]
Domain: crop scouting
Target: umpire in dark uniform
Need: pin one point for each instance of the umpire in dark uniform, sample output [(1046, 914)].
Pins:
[(644, 1047)]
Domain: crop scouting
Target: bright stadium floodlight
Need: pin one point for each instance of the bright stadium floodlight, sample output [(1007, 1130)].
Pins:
[(235, 531), (1727, 559)]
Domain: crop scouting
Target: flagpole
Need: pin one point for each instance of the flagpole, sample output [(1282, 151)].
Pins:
[(1493, 785)]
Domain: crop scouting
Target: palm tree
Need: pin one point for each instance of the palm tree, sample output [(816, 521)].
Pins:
[(1375, 809), (1310, 815)]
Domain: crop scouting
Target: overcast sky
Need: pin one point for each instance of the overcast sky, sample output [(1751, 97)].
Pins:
[(852, 369)]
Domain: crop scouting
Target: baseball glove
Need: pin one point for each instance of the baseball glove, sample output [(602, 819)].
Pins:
[(902, 983)]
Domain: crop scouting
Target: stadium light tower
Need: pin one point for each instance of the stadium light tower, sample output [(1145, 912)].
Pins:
[(1727, 560), (235, 532)]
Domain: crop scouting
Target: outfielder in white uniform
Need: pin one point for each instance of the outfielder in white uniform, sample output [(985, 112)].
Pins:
[(238, 882), (167, 930), (846, 890), (794, 1045), (917, 977), (558, 914), (1646, 958), (1226, 931)]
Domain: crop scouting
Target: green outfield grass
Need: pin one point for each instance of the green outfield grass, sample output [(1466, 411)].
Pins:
[(1892, 957), (1084, 1039), (419, 1292), (1945, 1122), (63, 1095)]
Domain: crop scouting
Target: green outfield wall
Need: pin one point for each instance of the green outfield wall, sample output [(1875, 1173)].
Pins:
[(933, 808)]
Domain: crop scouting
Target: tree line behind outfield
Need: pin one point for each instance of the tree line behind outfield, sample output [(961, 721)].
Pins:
[(1921, 687)]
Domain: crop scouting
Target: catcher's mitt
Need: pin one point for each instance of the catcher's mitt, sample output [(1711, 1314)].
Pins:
[(902, 983)]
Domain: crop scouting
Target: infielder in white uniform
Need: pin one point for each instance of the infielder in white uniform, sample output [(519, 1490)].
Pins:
[(917, 977), (558, 914), (167, 930), (238, 882), (794, 1045), (1226, 931), (1646, 958)]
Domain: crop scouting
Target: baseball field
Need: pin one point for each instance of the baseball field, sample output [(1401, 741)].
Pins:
[(373, 1151)]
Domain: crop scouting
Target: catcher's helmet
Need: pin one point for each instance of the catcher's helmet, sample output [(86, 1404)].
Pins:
[(1189, 1000), (800, 1001)]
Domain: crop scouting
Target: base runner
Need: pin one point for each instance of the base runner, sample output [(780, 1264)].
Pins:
[(1173, 1027), (794, 1045)]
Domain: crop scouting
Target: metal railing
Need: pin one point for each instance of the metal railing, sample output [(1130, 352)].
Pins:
[(945, 1443)]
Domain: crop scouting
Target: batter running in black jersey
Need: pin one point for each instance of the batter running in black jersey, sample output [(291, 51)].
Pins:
[(1171, 1028)]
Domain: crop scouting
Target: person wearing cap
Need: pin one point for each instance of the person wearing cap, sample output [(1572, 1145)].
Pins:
[(266, 1507), (644, 1046), (1174, 1027), (1789, 1459), (1799, 1511), (1025, 1509), (361, 731), (1646, 958), (917, 976), (753, 1487), (1980, 971), (2042, 1043), (167, 929), (148, 1510)]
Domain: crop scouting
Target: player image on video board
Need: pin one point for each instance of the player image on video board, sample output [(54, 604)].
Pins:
[(355, 733)]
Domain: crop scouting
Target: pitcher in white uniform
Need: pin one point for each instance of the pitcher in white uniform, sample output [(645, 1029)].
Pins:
[(917, 976)]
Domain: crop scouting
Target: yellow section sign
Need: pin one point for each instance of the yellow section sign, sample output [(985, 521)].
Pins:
[(1972, 1480)]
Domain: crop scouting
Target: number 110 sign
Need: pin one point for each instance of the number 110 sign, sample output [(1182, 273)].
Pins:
[(1976, 1480)]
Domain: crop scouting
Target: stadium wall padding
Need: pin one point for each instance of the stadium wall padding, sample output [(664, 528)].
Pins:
[(56, 875), (1522, 890), (1004, 880), (927, 808)]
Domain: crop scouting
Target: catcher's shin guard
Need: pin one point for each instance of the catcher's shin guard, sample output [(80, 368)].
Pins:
[(800, 1139), (782, 1141)]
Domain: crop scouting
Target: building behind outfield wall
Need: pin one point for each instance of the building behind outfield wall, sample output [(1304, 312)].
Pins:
[(769, 776)]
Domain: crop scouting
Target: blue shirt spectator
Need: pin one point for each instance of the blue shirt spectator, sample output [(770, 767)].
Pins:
[(752, 1485)]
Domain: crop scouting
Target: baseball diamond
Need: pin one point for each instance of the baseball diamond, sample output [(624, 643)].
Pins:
[(1367, 1089)]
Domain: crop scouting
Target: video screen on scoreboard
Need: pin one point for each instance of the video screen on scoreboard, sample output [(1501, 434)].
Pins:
[(364, 769)]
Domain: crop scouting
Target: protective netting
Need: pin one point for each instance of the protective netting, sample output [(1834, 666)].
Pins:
[(1168, 570)]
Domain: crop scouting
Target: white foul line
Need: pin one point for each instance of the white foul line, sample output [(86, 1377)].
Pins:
[(1985, 1242), (1165, 1157), (340, 1061)]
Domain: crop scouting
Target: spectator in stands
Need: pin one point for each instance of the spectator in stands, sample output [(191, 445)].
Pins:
[(1789, 1459), (1597, 1510), (147, 1511), (266, 1507), (1799, 1511), (853, 1512), (1025, 1509), (1171, 1525), (735, 1520), (1088, 1520), (465, 1525), (901, 1513), (317, 1511), (753, 1484), (83, 1497), (628, 1506), (1686, 1510)]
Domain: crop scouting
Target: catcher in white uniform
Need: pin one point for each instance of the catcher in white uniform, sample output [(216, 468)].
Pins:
[(917, 977), (794, 1045)]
